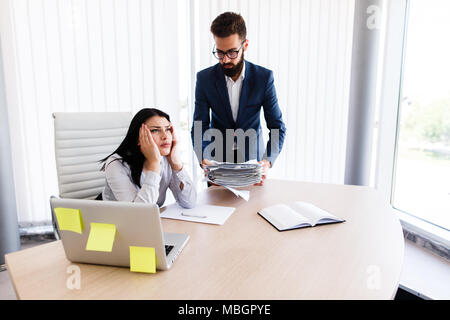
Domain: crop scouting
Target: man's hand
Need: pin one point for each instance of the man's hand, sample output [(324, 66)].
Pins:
[(266, 166), (206, 162)]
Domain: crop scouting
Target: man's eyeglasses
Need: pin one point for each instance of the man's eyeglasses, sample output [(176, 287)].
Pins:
[(232, 54)]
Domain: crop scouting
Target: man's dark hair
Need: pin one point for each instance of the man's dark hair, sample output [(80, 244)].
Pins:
[(229, 23)]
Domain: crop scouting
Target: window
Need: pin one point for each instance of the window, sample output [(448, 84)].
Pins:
[(422, 170)]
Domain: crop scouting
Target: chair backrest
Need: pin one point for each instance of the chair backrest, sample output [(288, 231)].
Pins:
[(81, 140)]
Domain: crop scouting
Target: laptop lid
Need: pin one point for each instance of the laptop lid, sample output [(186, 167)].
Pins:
[(136, 225)]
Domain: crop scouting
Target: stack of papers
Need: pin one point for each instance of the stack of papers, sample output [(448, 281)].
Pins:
[(234, 174)]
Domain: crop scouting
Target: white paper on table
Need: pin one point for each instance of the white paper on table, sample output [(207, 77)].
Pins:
[(213, 214), (244, 194)]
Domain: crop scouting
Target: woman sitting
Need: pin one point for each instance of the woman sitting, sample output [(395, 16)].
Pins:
[(147, 163)]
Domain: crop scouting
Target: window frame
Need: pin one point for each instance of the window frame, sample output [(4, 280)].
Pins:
[(390, 96)]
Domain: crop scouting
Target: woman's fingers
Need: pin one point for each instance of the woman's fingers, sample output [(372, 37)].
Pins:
[(140, 135), (148, 145), (150, 137), (174, 137), (147, 135), (151, 141)]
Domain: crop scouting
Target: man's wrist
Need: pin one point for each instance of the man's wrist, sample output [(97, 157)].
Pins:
[(205, 162)]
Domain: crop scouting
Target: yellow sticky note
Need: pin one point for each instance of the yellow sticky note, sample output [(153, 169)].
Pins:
[(101, 237), (142, 259), (69, 219)]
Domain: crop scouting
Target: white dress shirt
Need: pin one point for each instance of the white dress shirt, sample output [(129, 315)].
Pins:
[(119, 185), (234, 91)]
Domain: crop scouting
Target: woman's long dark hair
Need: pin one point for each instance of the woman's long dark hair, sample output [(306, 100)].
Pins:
[(129, 149)]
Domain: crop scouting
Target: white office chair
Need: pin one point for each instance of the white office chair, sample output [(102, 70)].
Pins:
[(81, 140)]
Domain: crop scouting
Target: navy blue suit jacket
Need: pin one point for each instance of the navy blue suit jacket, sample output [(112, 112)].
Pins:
[(213, 109)]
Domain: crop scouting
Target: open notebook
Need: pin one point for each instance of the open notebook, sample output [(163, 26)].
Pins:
[(297, 215)]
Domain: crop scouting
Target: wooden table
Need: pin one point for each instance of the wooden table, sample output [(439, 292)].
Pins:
[(246, 258)]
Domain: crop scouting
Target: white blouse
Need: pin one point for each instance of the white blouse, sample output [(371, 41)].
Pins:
[(119, 184)]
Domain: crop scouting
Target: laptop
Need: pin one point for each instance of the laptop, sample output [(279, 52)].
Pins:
[(137, 224)]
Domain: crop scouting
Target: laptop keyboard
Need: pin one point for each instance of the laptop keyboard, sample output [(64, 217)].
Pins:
[(168, 249)]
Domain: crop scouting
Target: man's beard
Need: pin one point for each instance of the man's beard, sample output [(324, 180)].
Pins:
[(236, 69)]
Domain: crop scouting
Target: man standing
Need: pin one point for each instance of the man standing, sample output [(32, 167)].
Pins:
[(228, 101)]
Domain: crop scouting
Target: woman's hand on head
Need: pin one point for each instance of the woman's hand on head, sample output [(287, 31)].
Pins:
[(149, 149), (173, 156)]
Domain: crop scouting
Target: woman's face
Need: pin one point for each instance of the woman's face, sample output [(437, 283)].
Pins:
[(161, 130)]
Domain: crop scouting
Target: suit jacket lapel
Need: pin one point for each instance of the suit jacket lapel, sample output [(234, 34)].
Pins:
[(221, 87), (246, 86)]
